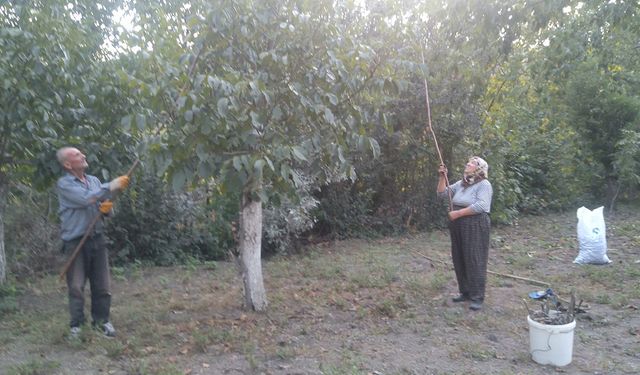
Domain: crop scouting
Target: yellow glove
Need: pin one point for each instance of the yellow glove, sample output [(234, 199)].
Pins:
[(119, 183), (106, 206)]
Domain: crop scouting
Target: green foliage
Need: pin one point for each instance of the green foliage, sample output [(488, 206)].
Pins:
[(460, 54), (558, 108), (155, 225), (627, 157), (32, 239), (256, 96), (56, 84), (345, 211), (150, 224), (601, 110), (58, 89), (286, 221)]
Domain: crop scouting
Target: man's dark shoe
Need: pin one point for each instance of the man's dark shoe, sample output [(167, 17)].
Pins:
[(475, 305), (460, 298)]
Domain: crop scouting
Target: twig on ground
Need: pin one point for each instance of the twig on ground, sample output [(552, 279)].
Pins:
[(531, 281)]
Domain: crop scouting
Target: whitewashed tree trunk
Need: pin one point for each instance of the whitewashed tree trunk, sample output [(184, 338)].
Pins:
[(250, 253), (3, 204)]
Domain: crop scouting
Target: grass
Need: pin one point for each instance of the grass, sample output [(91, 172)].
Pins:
[(34, 367), (382, 296), (475, 351), (348, 364)]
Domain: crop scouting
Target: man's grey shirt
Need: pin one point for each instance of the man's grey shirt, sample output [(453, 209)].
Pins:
[(79, 204)]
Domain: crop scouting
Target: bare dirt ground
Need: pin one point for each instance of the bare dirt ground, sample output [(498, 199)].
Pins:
[(354, 307)]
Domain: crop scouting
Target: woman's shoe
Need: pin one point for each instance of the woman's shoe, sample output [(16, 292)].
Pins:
[(460, 298), (475, 305)]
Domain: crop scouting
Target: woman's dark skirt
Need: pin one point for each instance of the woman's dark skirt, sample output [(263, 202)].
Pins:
[(470, 253)]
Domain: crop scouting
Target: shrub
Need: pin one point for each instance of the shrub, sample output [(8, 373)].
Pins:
[(32, 240), (162, 227), (285, 222)]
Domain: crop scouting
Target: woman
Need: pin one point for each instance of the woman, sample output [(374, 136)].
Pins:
[(469, 226)]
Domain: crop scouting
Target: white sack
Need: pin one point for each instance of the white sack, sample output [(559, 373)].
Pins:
[(592, 237)]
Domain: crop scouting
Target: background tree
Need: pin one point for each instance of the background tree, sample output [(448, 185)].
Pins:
[(601, 112), (465, 43), (265, 89), (556, 94), (59, 88)]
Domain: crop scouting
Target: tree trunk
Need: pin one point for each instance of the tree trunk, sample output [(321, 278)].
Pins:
[(613, 188), (3, 203), (250, 253)]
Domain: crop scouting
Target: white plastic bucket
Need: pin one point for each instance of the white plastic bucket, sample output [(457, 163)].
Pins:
[(551, 344)]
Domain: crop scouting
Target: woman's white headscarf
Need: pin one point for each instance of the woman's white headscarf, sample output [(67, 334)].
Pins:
[(483, 167), (481, 172)]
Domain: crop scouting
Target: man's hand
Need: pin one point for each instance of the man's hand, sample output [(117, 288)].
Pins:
[(119, 183), (106, 206)]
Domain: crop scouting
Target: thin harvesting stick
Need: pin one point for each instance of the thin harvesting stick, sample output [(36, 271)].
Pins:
[(433, 134)]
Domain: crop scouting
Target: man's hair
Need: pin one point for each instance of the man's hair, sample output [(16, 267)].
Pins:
[(61, 155)]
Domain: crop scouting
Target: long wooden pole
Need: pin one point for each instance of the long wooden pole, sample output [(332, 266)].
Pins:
[(433, 134), (530, 281), (76, 251)]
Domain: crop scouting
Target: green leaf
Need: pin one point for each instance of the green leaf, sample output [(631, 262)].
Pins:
[(258, 166), (178, 179), (298, 153), (262, 194), (181, 102), (332, 98), (188, 116), (390, 87), (246, 162), (285, 171), (223, 106), (352, 173), (126, 123), (341, 156), (328, 115), (141, 121), (162, 161), (375, 147), (276, 114), (270, 163), (212, 81), (361, 143), (202, 152), (297, 181), (255, 120), (204, 169), (237, 163)]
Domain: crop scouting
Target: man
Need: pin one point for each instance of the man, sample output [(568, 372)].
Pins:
[(82, 197)]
